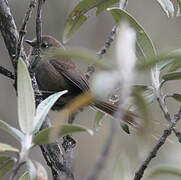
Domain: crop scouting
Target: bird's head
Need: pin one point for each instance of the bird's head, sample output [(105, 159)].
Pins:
[(47, 42)]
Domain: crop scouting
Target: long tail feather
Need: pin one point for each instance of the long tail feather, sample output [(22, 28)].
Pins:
[(130, 118)]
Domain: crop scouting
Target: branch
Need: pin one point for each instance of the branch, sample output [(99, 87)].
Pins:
[(162, 102), (6, 73), (39, 23), (160, 142), (23, 31), (52, 152), (8, 30), (109, 40)]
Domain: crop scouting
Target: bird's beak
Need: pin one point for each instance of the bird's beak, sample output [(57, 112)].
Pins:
[(29, 42)]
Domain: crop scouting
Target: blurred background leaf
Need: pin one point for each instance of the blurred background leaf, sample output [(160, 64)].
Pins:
[(165, 169), (79, 15), (50, 135), (167, 7), (6, 163), (144, 45), (6, 147)]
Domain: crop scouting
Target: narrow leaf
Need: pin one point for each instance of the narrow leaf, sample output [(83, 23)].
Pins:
[(141, 104), (11, 130), (175, 65), (179, 7), (62, 130), (98, 120), (172, 76), (43, 109), (7, 147), (6, 163), (78, 16), (25, 176), (165, 169), (41, 172), (163, 65), (105, 5), (177, 97), (143, 43), (31, 169), (83, 55), (26, 102), (151, 61), (167, 7)]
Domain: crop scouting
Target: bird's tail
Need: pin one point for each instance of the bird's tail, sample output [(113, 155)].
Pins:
[(129, 117)]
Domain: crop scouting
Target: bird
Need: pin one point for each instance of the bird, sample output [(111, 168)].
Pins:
[(58, 74)]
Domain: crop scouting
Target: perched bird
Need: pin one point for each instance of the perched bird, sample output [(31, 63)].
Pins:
[(54, 75)]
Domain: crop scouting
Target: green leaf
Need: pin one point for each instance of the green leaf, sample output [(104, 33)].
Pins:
[(45, 136), (78, 16), (140, 87), (175, 65), (7, 147), (172, 76), (105, 5), (31, 169), (149, 96), (151, 61), (165, 169), (11, 130), (84, 55), (25, 176), (43, 109), (167, 7), (144, 44), (98, 120), (177, 97), (163, 65), (125, 127), (41, 172), (26, 101), (6, 163), (146, 91), (179, 7), (141, 104)]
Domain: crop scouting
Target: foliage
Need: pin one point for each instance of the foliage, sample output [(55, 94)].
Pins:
[(163, 68)]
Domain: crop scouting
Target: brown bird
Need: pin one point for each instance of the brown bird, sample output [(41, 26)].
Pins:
[(56, 75)]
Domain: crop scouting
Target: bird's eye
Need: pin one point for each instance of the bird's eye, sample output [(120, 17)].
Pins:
[(44, 45)]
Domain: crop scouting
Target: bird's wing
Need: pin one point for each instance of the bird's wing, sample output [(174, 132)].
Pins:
[(70, 70)]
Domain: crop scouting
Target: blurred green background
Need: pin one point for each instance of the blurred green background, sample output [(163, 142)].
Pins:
[(129, 150)]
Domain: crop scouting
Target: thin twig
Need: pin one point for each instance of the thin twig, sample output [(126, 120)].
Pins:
[(109, 40), (22, 31), (152, 154), (162, 102), (160, 142), (51, 152), (39, 23), (6, 73)]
